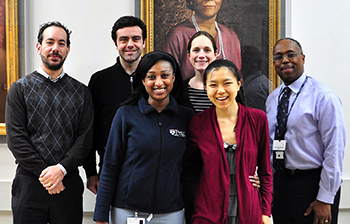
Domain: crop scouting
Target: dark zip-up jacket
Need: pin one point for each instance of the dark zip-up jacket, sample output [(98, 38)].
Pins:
[(142, 164), (109, 88)]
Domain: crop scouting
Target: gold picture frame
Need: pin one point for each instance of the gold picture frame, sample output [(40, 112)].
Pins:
[(147, 14), (11, 47)]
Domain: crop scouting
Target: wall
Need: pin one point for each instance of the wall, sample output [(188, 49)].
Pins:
[(92, 47), (321, 26)]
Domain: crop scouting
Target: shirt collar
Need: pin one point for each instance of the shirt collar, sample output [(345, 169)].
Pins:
[(296, 85), (43, 73)]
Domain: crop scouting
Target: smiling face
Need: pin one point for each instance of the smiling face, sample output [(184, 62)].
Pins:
[(207, 8), (53, 49), (158, 83), (222, 88), (291, 69), (130, 43), (201, 53)]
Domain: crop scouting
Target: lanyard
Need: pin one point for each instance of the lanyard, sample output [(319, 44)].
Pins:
[(291, 107)]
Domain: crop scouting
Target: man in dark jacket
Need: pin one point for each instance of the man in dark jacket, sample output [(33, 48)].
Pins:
[(111, 86)]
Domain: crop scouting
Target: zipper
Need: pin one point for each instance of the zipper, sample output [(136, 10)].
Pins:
[(160, 157), (132, 82)]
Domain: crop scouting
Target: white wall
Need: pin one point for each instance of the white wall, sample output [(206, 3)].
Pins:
[(323, 27), (91, 21)]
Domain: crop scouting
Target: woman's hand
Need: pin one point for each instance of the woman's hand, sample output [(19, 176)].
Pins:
[(255, 181), (98, 222), (265, 219)]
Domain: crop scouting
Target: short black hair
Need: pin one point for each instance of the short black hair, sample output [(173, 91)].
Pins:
[(289, 38), (128, 21), (53, 23)]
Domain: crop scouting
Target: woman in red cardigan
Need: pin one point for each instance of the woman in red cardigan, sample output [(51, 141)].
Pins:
[(233, 141)]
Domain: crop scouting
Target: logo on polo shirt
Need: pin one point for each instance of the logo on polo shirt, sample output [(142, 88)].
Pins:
[(177, 133)]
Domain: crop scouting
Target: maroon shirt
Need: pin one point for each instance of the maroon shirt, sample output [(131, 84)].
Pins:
[(212, 193)]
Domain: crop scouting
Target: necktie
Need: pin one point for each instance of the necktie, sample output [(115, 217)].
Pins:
[(281, 128)]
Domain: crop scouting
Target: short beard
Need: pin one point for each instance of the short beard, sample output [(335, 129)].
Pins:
[(50, 66)]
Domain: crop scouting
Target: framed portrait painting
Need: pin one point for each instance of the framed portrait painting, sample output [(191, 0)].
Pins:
[(8, 53), (246, 30)]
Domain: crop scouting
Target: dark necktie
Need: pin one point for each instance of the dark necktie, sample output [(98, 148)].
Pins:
[(281, 127)]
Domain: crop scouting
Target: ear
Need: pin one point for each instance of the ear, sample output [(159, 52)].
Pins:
[(239, 85), (143, 82), (68, 50), (38, 48), (303, 58), (144, 44), (173, 77)]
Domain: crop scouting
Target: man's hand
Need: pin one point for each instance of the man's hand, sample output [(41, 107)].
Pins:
[(265, 219), (255, 180), (51, 178), (92, 183), (98, 222), (58, 189), (322, 212)]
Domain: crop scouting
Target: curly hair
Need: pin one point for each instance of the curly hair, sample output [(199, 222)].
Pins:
[(54, 23)]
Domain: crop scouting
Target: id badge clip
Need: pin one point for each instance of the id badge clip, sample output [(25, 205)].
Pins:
[(135, 220), (279, 147)]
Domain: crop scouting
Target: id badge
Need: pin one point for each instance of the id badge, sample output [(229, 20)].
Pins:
[(134, 220), (278, 148)]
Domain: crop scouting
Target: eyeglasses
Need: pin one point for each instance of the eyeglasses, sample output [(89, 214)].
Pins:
[(289, 55)]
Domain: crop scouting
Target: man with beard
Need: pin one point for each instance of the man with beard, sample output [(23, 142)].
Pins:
[(49, 119), (111, 86)]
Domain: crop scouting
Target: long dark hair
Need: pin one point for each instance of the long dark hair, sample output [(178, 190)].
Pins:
[(215, 65), (144, 66)]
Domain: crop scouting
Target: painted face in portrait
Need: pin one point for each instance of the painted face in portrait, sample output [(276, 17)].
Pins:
[(130, 43), (206, 9), (53, 50), (222, 87), (291, 66), (159, 82), (202, 53)]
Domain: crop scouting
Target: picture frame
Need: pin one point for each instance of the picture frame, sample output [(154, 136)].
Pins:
[(11, 46), (164, 14)]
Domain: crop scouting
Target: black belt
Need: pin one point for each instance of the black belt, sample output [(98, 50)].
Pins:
[(297, 171)]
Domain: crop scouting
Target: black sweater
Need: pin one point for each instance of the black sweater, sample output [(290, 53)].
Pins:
[(109, 88), (49, 123)]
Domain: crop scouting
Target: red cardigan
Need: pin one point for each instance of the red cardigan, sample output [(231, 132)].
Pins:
[(212, 192)]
